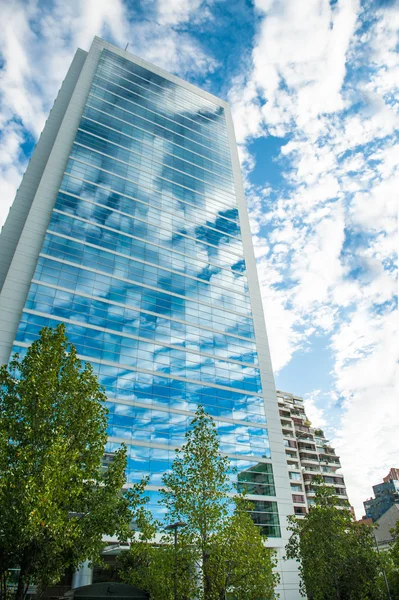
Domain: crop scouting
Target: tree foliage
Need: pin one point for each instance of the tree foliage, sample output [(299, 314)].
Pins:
[(56, 499), (220, 550), (155, 566), (390, 561), (238, 560), (336, 555), (151, 563)]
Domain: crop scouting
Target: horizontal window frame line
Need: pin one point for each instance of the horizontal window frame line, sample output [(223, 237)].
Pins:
[(152, 487), (105, 58), (123, 88), (147, 145), (188, 96), (222, 200), (131, 258), (77, 160), (144, 285), (149, 133), (109, 363), (228, 252), (179, 135), (182, 411), (155, 136), (131, 336), (234, 237), (151, 110), (141, 186), (153, 160), (141, 310), (172, 448), (142, 201), (106, 74), (121, 212)]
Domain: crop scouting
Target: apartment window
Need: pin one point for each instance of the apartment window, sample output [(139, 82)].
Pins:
[(297, 498), (300, 510), (295, 487)]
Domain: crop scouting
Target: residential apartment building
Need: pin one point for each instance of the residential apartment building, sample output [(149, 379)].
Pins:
[(308, 454), (386, 495), (130, 226)]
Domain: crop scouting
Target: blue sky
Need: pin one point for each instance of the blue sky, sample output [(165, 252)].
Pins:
[(313, 87)]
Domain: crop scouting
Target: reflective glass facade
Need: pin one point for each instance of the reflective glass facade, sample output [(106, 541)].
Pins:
[(143, 261)]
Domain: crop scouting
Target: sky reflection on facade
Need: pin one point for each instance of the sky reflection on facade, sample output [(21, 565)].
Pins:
[(143, 261)]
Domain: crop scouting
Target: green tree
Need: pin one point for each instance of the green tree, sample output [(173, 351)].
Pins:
[(239, 562), (56, 499), (152, 563), (336, 555), (220, 550), (197, 492), (197, 489), (390, 561), (155, 566)]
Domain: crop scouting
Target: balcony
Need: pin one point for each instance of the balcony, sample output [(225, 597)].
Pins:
[(328, 453), (308, 469), (342, 494), (285, 413), (303, 428), (291, 444), (327, 470), (329, 461), (306, 458), (306, 448), (293, 465), (298, 412), (292, 457), (303, 435)]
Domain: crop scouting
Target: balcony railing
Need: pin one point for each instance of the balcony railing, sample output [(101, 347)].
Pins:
[(312, 469), (303, 428), (308, 459)]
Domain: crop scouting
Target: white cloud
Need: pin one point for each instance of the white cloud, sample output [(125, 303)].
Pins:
[(177, 12), (170, 49), (367, 377), (283, 324), (313, 412), (299, 60), (11, 170), (331, 236)]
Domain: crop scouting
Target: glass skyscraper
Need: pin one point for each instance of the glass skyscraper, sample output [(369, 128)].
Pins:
[(130, 226)]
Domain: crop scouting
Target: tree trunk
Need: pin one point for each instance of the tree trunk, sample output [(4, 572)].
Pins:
[(3, 586), (337, 592), (205, 579), (204, 575), (22, 587)]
